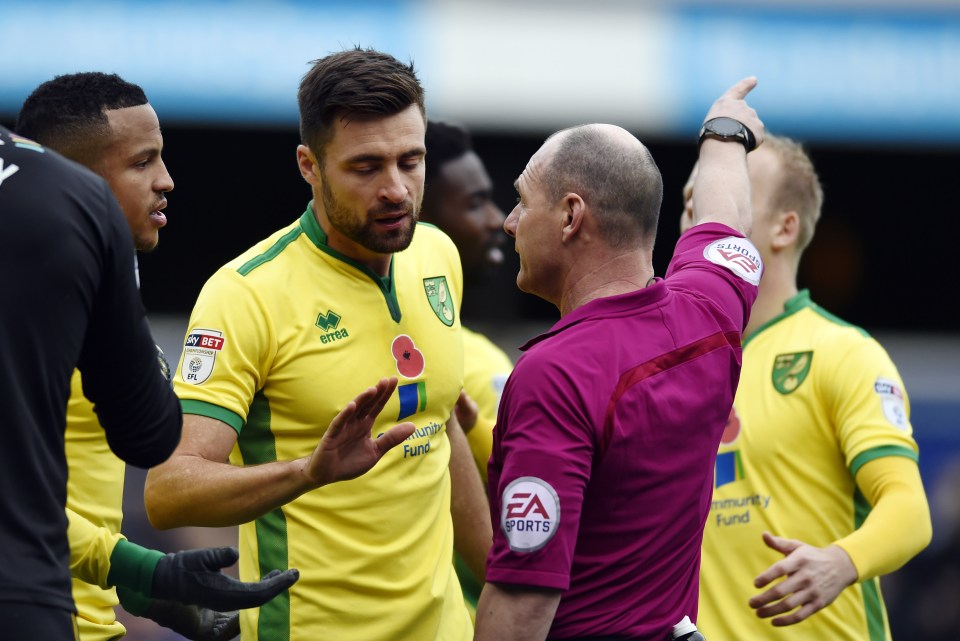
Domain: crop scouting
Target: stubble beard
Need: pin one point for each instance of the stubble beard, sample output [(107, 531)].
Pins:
[(364, 232)]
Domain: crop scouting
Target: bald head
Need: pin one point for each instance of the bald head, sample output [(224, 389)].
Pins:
[(615, 175)]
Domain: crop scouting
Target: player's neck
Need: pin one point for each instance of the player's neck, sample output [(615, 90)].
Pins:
[(778, 285)]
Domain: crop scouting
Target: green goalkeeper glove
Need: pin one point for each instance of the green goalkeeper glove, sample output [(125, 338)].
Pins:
[(190, 621), (193, 577)]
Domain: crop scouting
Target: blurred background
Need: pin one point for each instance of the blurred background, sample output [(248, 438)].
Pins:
[(872, 88)]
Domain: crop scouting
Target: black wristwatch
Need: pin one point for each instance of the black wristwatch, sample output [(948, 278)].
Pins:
[(728, 130)]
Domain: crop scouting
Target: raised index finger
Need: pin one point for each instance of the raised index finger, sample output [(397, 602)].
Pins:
[(742, 88)]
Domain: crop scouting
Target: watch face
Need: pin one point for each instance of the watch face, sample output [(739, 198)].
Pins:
[(725, 127)]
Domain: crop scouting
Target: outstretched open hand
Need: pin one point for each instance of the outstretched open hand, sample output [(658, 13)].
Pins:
[(814, 578), (346, 450)]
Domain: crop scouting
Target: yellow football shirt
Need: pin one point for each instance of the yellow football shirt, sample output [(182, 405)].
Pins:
[(280, 339), (94, 493), (817, 399), (486, 369)]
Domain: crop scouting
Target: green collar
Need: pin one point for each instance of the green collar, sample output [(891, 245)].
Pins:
[(311, 227), (800, 301)]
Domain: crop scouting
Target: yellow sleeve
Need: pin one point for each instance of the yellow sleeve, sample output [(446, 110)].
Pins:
[(90, 549), (486, 369), (480, 439), (898, 526)]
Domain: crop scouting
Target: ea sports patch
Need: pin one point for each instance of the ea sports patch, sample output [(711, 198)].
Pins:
[(529, 513), (738, 255), (892, 401), (200, 354)]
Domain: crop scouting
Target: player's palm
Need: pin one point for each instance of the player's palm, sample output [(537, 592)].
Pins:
[(347, 450)]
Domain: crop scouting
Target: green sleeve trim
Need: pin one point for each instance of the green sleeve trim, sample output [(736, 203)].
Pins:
[(879, 452), (133, 602), (203, 408), (132, 566)]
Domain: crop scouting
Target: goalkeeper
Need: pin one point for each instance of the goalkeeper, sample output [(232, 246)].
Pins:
[(106, 124)]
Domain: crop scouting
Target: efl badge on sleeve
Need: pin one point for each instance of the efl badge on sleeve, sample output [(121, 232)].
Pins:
[(738, 255), (893, 402), (790, 370), (438, 294), (529, 513), (199, 354)]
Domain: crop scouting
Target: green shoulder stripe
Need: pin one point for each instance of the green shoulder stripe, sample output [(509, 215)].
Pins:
[(271, 253)]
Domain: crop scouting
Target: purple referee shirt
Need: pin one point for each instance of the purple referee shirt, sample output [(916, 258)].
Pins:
[(602, 466)]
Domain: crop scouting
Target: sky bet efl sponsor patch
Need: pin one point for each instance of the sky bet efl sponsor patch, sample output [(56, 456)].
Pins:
[(738, 255), (529, 513), (892, 401), (200, 354)]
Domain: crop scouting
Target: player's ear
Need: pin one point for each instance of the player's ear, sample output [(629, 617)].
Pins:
[(786, 230), (309, 167)]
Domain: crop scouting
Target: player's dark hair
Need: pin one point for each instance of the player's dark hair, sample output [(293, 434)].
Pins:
[(444, 142), (67, 113), (619, 182), (355, 83)]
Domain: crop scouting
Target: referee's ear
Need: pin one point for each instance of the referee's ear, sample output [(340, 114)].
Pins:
[(574, 212)]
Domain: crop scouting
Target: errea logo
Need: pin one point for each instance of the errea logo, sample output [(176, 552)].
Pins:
[(329, 323), (529, 513)]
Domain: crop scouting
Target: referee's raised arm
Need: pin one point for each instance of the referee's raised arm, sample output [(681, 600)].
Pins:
[(721, 186)]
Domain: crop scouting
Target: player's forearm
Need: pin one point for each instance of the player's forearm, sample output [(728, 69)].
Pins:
[(721, 191), (191, 491), (472, 532), (898, 526)]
